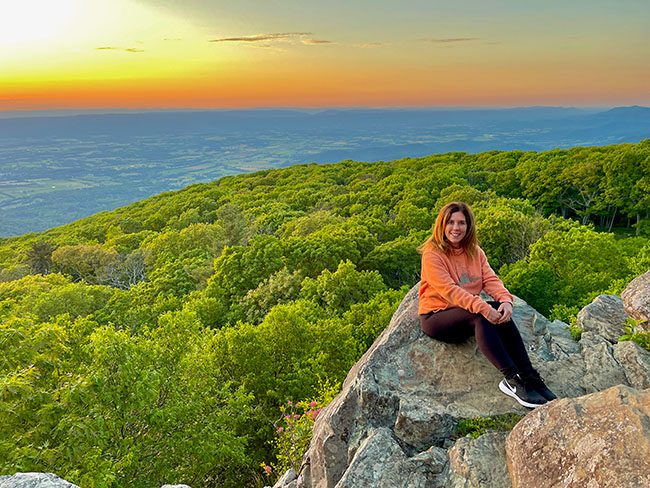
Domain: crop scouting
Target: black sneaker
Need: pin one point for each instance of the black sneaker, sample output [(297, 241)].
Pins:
[(535, 381), (517, 389)]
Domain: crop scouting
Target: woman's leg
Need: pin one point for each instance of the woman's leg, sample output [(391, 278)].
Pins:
[(452, 325), (456, 325), (499, 343), (513, 343)]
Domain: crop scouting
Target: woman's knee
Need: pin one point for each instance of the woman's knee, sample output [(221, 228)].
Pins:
[(446, 332)]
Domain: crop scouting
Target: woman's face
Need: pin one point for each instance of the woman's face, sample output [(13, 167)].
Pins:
[(456, 229)]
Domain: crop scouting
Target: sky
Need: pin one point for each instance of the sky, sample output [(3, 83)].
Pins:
[(200, 54)]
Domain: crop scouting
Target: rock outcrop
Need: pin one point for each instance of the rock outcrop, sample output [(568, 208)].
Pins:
[(394, 422), (46, 480), (479, 462), (602, 439), (34, 480), (605, 317), (636, 298)]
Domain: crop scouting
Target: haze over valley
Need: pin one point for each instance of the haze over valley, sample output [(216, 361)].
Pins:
[(55, 169)]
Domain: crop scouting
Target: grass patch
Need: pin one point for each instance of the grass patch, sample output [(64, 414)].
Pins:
[(632, 333), (575, 330), (477, 426)]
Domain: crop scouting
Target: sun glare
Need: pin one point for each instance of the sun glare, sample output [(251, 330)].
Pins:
[(28, 21)]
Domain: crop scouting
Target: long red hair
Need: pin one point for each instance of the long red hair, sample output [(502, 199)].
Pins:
[(438, 240)]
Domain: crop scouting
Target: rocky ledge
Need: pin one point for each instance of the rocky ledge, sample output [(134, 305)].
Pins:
[(394, 422)]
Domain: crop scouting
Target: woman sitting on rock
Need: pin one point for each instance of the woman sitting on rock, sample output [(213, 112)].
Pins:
[(454, 272)]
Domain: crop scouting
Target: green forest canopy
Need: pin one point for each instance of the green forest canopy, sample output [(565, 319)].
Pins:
[(157, 342)]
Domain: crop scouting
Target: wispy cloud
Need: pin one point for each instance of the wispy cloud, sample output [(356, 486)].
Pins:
[(315, 41), (369, 45), (123, 49), (269, 40), (450, 40), (283, 36), (268, 46)]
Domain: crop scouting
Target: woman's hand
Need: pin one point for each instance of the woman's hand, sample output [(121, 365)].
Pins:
[(494, 316), (505, 311)]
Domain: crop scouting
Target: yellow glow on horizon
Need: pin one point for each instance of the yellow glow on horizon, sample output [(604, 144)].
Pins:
[(238, 84), (137, 54)]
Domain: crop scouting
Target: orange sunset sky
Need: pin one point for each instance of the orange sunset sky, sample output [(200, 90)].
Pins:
[(150, 54)]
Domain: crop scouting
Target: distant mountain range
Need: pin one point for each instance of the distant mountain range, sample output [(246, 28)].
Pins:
[(55, 168), (154, 122)]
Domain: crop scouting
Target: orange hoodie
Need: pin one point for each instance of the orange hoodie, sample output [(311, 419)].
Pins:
[(455, 280)]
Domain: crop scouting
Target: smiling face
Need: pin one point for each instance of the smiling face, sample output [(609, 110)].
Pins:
[(456, 229)]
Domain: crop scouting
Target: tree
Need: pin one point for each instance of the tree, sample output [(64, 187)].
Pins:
[(539, 176), (195, 241), (398, 260), (326, 248), (242, 268), (281, 287), (582, 179), (533, 281), (103, 407), (627, 180), (368, 319), (574, 262), (39, 257), (126, 272), (84, 262), (308, 224), (289, 356), (235, 225), (339, 290), (507, 228)]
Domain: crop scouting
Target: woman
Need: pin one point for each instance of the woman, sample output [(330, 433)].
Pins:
[(454, 272)]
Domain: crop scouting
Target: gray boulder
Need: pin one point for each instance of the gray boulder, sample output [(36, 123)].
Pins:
[(34, 480), (287, 480), (479, 463), (636, 298), (602, 439), (605, 316), (393, 423), (46, 480)]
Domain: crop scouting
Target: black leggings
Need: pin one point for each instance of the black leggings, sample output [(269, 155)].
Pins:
[(501, 344)]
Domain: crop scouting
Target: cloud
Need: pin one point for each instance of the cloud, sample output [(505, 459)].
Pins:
[(267, 40), (369, 45), (315, 41), (450, 40), (123, 49), (284, 36)]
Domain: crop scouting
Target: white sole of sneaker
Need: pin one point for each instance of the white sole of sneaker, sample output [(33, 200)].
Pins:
[(505, 389)]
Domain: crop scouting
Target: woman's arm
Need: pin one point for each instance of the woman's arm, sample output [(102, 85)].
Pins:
[(436, 274), (492, 285)]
